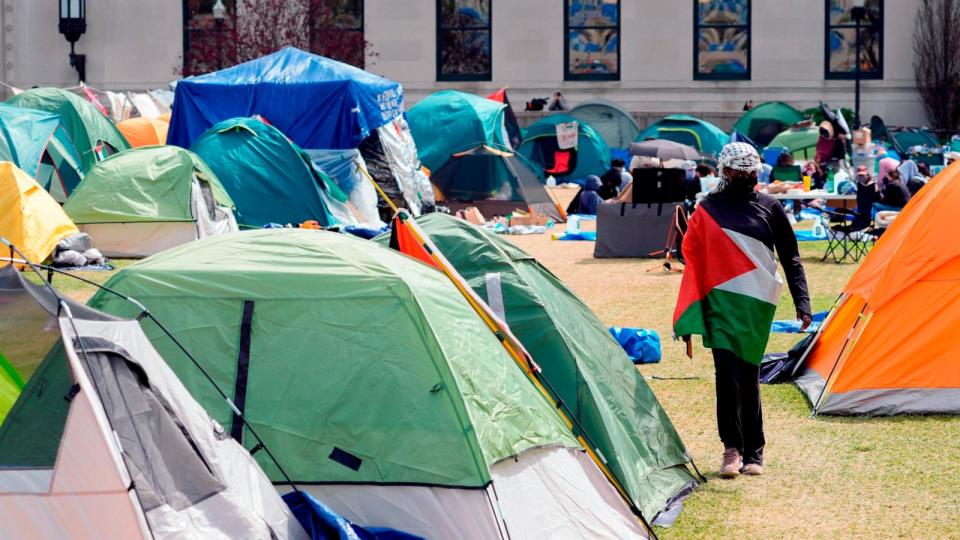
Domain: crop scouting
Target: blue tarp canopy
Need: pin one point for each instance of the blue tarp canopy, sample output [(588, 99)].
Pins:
[(317, 102)]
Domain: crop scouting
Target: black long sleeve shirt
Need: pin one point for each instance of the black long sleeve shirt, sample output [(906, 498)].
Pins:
[(760, 216)]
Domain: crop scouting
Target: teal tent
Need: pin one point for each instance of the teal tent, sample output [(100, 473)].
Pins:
[(589, 370), (592, 155), (707, 138), (451, 121), (270, 178), (373, 382), (614, 124), (763, 122), (93, 134), (36, 142)]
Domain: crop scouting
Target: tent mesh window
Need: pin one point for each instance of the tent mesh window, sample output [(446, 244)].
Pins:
[(591, 40), (721, 35), (463, 40), (841, 41)]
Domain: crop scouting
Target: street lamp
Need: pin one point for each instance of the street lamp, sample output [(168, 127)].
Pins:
[(73, 24), (219, 14), (859, 13)]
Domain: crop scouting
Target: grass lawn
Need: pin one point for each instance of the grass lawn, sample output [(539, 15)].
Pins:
[(825, 478)]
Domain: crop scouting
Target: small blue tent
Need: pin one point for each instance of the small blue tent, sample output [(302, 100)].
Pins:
[(317, 102), (36, 142)]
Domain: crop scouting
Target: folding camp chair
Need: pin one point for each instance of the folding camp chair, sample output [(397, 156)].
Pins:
[(853, 231)]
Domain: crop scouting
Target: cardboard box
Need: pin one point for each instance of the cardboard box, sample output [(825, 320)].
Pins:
[(472, 215), (861, 137), (521, 218)]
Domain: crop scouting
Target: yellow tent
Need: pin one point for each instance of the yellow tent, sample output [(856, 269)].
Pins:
[(29, 217)]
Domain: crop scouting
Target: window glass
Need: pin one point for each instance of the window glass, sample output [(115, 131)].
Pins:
[(722, 34), (592, 39), (463, 40), (841, 46)]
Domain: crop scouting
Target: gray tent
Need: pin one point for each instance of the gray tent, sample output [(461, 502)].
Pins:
[(105, 442), (614, 124)]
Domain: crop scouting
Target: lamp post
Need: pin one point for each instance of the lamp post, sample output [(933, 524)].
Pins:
[(219, 14), (859, 12), (73, 24)]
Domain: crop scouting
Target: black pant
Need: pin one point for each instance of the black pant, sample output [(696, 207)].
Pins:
[(739, 418)]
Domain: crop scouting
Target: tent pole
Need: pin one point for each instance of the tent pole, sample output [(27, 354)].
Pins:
[(844, 351)]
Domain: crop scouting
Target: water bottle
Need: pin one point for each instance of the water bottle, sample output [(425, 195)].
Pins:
[(819, 231), (573, 224)]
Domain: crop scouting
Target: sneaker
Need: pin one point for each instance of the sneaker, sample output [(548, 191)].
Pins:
[(732, 463), (752, 469)]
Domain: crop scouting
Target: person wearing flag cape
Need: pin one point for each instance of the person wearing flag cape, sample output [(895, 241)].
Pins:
[(730, 291)]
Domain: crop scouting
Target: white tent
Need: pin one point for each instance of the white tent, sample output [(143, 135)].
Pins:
[(105, 442)]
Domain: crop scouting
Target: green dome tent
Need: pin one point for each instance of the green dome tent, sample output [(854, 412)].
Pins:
[(592, 155), (707, 138), (450, 121), (612, 122), (373, 382), (148, 199), (801, 142), (268, 176), (93, 134), (590, 371), (765, 121)]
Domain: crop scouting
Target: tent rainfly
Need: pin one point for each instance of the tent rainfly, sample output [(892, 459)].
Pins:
[(148, 199), (765, 121), (414, 417), (705, 137), (142, 131), (611, 121), (36, 142), (589, 155), (271, 179), (588, 369), (323, 106), (29, 217), (450, 121), (889, 346)]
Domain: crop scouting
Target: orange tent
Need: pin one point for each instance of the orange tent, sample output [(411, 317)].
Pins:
[(890, 346), (145, 131)]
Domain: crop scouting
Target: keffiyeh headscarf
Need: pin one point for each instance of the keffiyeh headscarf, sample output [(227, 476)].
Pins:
[(738, 156)]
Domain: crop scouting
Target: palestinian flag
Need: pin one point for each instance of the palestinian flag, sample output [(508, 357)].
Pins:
[(730, 288)]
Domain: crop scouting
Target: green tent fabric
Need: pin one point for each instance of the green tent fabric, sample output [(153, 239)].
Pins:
[(611, 121), (348, 345), (588, 369), (765, 121), (146, 184), (707, 138), (86, 126), (800, 142), (450, 121), (11, 384), (270, 178), (540, 143)]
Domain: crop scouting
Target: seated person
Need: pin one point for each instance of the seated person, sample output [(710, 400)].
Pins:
[(589, 198), (894, 194), (707, 177), (611, 180)]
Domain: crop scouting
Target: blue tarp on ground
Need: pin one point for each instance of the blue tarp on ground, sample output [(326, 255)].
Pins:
[(317, 102), (642, 346), (793, 326), (321, 522)]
